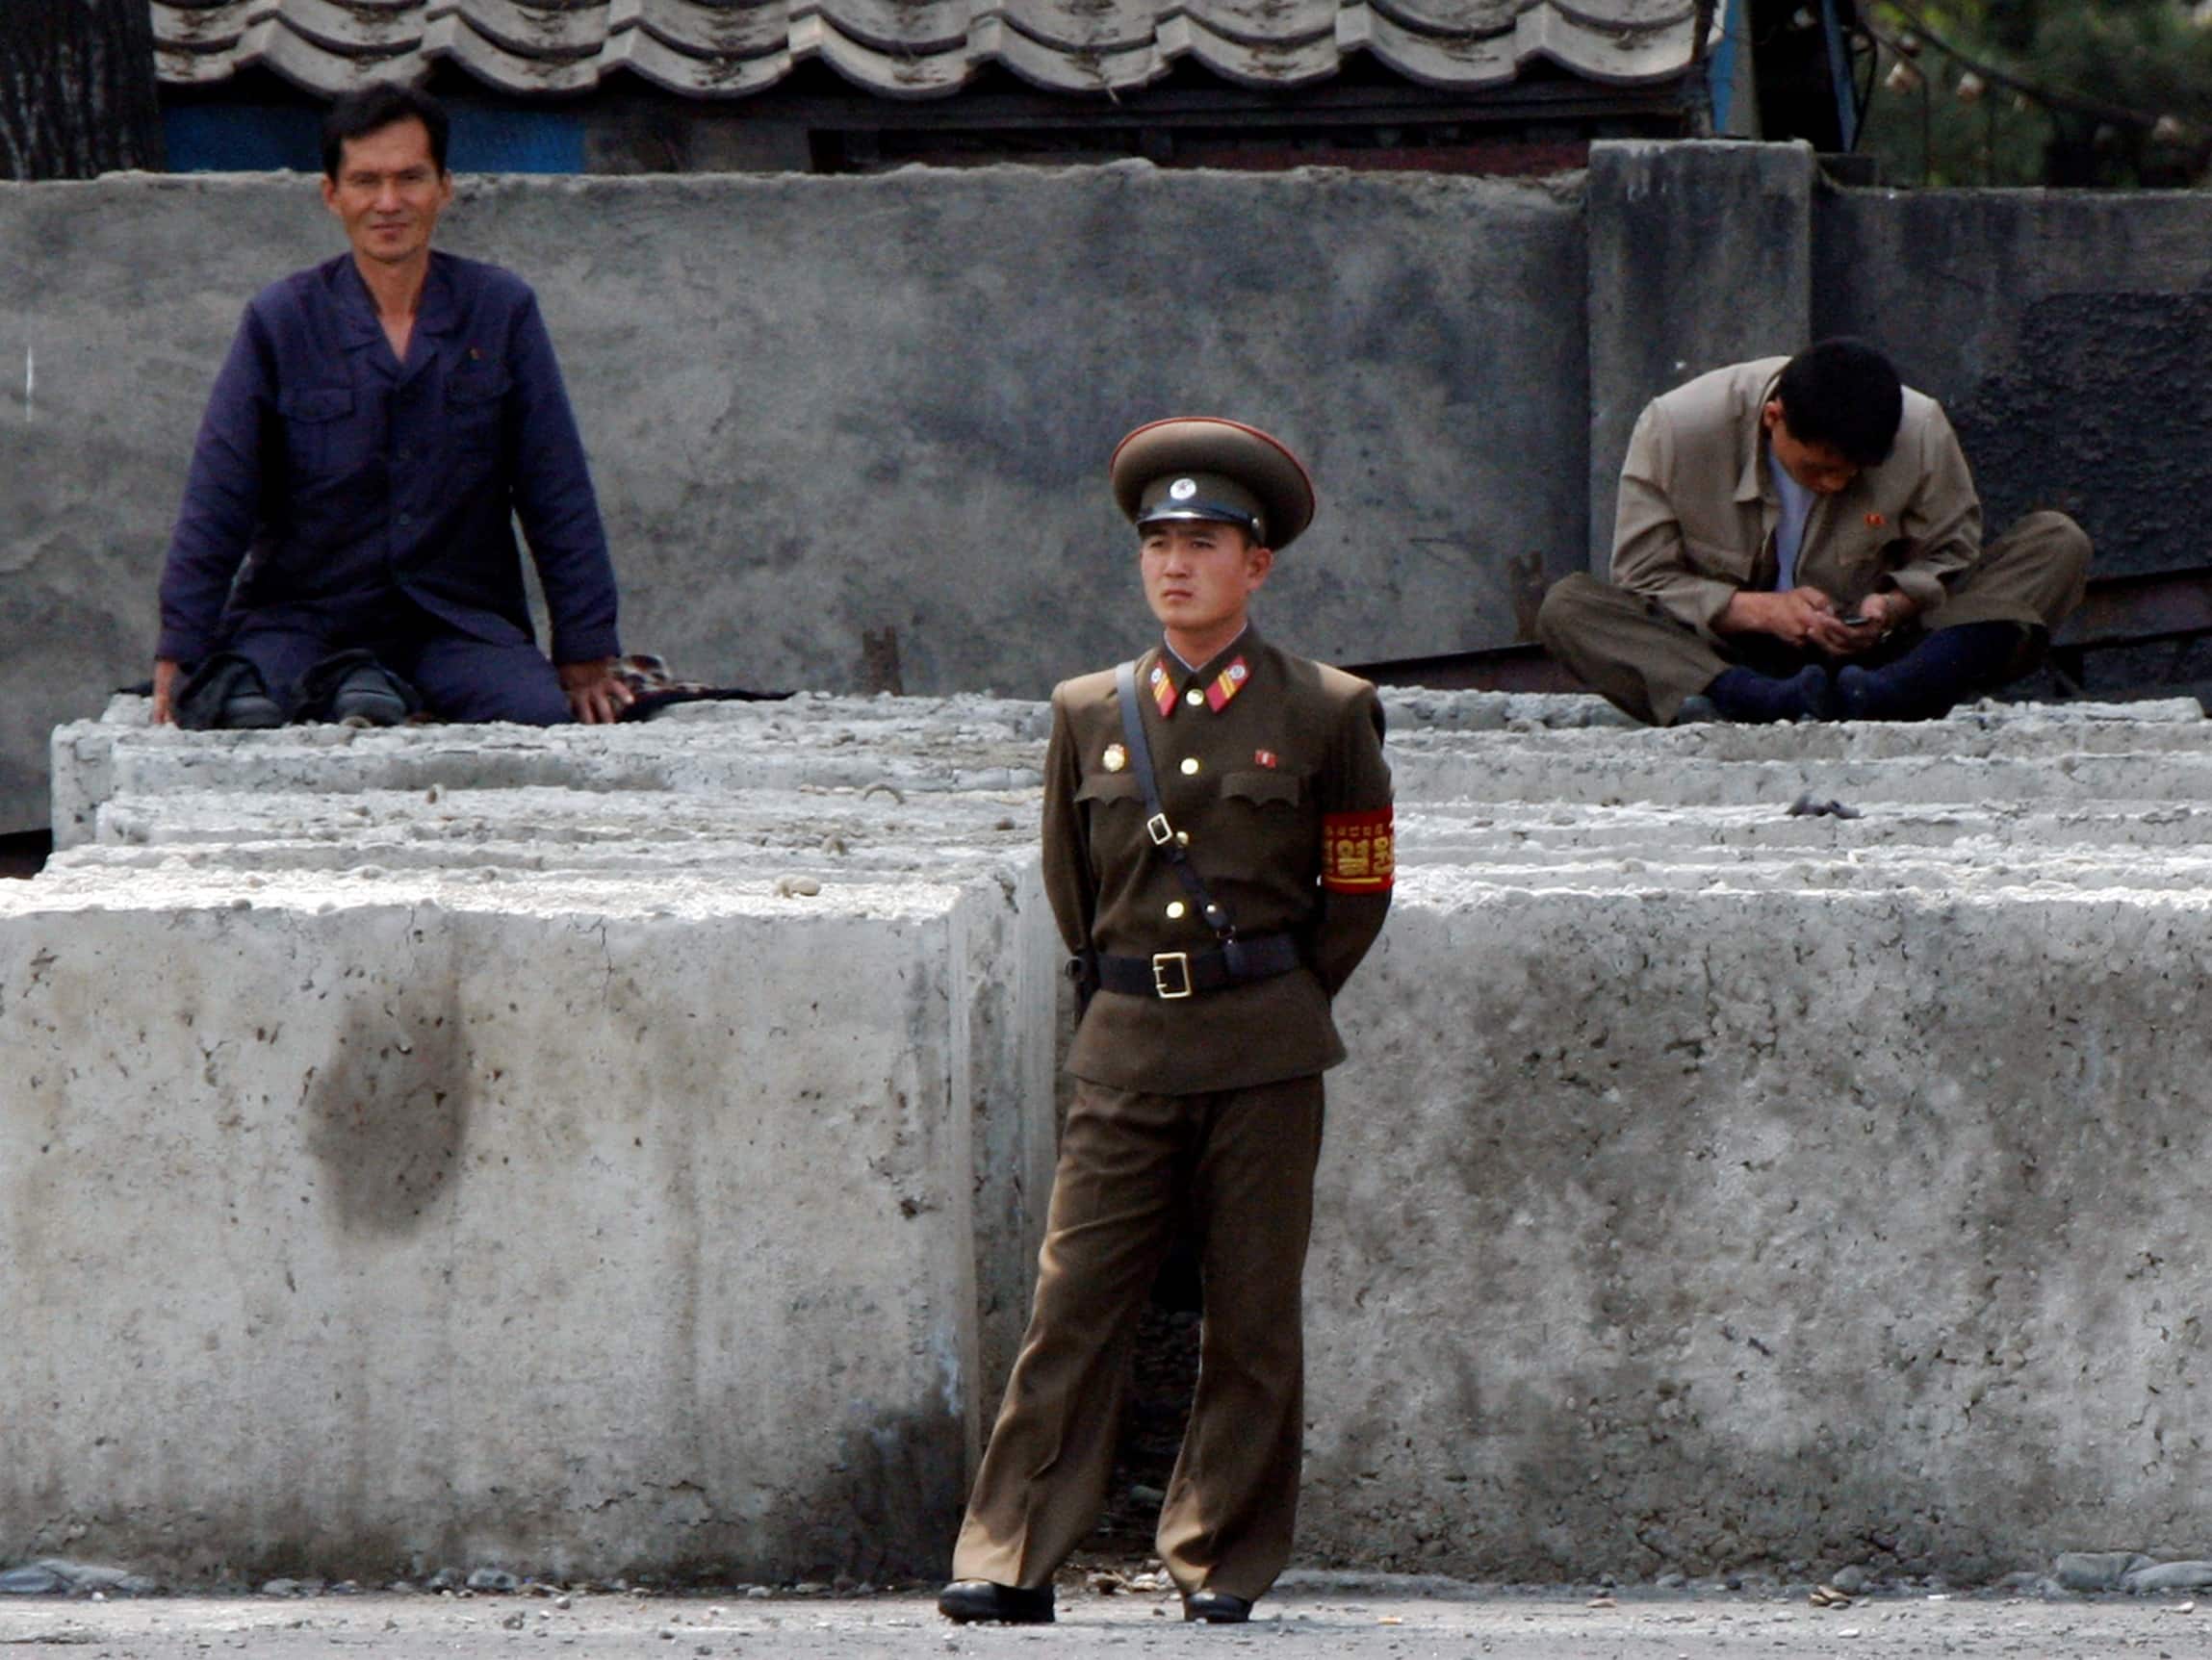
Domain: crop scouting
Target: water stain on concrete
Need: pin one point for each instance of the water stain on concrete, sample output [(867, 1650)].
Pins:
[(387, 1112)]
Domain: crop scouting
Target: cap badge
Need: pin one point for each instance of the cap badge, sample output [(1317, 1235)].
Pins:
[(1183, 489), (1114, 758)]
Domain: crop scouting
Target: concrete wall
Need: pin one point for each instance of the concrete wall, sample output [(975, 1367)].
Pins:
[(1698, 256), (826, 410), (2069, 333), (821, 409)]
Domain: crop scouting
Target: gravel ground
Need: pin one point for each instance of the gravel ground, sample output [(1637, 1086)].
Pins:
[(1394, 1619)]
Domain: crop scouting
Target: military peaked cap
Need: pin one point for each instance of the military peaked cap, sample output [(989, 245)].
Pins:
[(1201, 467)]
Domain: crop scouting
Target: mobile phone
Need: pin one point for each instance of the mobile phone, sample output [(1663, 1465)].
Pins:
[(1854, 620)]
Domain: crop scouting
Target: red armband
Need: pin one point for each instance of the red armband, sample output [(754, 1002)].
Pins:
[(1357, 852)]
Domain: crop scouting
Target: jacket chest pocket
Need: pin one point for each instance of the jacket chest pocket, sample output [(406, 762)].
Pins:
[(1263, 790), (325, 431), (1262, 819), (474, 399), (1861, 556), (1107, 788), (1113, 804)]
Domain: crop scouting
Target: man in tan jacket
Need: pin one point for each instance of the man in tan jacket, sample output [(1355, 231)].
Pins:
[(1218, 856), (1800, 539)]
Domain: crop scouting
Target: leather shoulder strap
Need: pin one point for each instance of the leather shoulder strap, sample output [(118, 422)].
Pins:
[(1156, 825)]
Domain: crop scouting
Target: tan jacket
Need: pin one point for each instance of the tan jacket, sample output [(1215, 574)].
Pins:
[(1286, 799), (1698, 506)]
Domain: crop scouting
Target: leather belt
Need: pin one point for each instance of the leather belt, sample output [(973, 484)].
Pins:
[(1170, 975)]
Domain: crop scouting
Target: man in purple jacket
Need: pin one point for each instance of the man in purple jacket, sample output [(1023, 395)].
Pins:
[(380, 421)]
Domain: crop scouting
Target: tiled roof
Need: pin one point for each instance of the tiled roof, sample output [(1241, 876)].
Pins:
[(916, 48)]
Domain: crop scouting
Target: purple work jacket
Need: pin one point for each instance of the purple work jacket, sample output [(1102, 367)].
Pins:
[(341, 477)]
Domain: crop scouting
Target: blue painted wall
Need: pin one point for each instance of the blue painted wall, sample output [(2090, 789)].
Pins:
[(265, 137)]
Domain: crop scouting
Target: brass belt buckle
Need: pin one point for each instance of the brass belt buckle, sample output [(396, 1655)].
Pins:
[(1178, 963)]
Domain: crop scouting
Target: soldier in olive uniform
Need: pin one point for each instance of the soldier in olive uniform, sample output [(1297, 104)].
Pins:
[(1218, 853)]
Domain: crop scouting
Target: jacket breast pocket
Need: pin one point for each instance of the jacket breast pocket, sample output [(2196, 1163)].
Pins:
[(474, 399), (1107, 788), (1263, 789), (322, 432)]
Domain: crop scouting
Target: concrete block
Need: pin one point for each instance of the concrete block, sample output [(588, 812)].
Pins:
[(1694, 1230), (408, 1226), (1712, 1186), (713, 1057)]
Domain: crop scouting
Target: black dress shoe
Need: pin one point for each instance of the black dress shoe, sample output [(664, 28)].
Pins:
[(967, 1600), (1217, 1608), (249, 711), (366, 698)]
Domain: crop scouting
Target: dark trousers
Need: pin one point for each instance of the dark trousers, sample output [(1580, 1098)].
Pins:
[(1242, 1161), (458, 676)]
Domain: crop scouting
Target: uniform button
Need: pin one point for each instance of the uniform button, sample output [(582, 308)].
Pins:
[(1194, 697), (1176, 909), (1182, 838), (1190, 766), (405, 520)]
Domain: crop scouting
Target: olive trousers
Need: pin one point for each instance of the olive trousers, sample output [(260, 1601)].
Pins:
[(1239, 1163)]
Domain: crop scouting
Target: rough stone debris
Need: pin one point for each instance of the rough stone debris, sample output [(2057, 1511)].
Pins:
[(1712, 1186)]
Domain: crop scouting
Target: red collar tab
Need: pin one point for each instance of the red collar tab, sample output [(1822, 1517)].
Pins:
[(1227, 684), (1162, 686)]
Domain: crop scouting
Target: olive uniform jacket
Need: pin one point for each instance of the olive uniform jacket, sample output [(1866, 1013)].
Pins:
[(1698, 505), (1273, 767)]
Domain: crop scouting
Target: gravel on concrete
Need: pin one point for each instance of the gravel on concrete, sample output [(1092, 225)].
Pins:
[(1387, 1618)]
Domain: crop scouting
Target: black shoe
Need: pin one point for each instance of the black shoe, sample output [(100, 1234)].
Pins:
[(249, 711), (1217, 1608), (967, 1600), (365, 697), (227, 692)]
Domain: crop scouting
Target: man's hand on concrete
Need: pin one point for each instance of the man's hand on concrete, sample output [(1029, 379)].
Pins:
[(165, 691), (1795, 615), (594, 695)]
